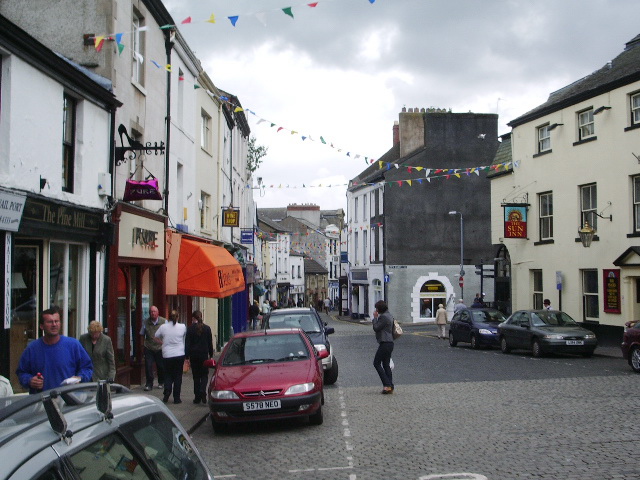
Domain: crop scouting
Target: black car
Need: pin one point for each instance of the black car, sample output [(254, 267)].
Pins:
[(308, 320), (477, 326), (545, 331)]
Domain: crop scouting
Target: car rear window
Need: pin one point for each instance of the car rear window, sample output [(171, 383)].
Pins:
[(305, 321), (488, 316)]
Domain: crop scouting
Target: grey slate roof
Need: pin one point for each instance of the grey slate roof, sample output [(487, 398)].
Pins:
[(622, 70), (503, 155), (373, 173), (313, 267)]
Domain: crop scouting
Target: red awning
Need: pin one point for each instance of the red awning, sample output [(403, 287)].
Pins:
[(205, 270)]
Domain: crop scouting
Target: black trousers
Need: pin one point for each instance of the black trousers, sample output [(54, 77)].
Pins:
[(381, 363), (200, 377), (151, 357), (173, 376)]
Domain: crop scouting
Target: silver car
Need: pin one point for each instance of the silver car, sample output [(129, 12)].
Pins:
[(94, 431)]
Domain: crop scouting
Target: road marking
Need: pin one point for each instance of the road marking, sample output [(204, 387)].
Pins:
[(455, 476)]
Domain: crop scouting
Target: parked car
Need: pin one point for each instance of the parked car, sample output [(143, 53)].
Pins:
[(266, 375), (309, 320), (545, 331), (91, 431), (477, 326), (631, 346)]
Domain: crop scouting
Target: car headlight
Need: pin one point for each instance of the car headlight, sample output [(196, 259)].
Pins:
[(553, 337), (485, 331), (301, 388), (589, 336), (224, 395)]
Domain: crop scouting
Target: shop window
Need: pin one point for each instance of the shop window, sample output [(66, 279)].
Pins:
[(66, 272)]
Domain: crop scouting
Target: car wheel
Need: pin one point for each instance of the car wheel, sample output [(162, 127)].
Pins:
[(474, 342), (536, 349), (503, 345), (316, 418), (452, 341), (218, 427), (331, 375), (634, 359)]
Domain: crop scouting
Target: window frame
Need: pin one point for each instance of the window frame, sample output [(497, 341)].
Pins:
[(137, 48), (589, 213), (205, 131), (545, 216), (589, 296), (205, 211), (635, 119), (540, 130), (583, 127), (69, 131), (635, 199), (537, 289)]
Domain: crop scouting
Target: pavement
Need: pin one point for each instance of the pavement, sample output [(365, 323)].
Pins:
[(191, 415)]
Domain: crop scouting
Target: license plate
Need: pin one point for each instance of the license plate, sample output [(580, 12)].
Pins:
[(575, 342), (261, 405)]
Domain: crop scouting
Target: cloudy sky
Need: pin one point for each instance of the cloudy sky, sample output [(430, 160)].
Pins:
[(344, 69)]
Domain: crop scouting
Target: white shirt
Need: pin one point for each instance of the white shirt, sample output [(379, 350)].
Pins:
[(172, 339)]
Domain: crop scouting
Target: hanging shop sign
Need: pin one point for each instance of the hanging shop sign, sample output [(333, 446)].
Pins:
[(11, 208), (515, 220), (231, 217), (611, 283), (246, 236), (140, 237)]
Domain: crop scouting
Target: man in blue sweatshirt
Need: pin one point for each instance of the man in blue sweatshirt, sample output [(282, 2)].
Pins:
[(53, 358)]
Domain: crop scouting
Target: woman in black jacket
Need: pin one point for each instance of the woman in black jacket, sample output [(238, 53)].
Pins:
[(198, 348)]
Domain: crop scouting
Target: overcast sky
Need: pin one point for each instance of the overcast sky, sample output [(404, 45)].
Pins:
[(344, 69)]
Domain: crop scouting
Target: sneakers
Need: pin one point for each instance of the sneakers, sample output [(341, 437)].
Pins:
[(147, 388), (160, 386)]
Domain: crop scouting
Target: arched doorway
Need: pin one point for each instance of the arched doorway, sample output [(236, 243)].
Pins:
[(429, 292)]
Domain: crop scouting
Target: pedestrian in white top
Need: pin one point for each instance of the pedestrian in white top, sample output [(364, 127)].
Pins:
[(171, 335), (547, 304)]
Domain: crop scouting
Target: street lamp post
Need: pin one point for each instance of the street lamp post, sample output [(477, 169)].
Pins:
[(454, 212)]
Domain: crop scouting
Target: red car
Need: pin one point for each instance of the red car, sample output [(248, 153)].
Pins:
[(631, 346), (266, 375)]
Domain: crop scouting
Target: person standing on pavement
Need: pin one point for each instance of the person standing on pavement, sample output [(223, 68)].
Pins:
[(254, 311), (171, 336), (53, 359), (547, 304), (100, 350), (152, 350), (441, 320), (265, 307), (383, 326), (459, 306), (198, 348), (327, 305)]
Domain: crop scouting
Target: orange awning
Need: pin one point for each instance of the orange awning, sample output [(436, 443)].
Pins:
[(205, 270)]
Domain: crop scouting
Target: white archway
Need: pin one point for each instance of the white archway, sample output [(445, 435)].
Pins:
[(417, 296)]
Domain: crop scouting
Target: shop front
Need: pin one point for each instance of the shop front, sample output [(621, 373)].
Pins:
[(54, 258), (136, 282)]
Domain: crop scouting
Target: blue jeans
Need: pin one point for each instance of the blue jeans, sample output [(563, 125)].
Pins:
[(381, 363), (151, 356)]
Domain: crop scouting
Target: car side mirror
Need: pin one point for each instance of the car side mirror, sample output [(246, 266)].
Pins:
[(211, 363), (329, 330)]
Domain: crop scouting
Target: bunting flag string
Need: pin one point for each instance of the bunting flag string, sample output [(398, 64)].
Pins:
[(438, 174)]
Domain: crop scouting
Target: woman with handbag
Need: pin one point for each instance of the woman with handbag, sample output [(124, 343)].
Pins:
[(198, 348), (383, 326), (171, 335)]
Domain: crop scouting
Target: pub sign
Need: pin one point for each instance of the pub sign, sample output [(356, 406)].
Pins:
[(611, 281), (230, 217), (515, 221)]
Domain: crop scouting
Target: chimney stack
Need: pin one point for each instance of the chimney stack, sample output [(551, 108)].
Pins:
[(396, 133)]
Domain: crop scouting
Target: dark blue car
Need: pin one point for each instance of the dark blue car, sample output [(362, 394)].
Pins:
[(477, 326)]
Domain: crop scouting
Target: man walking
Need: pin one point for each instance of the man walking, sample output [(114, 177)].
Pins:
[(53, 359), (152, 349)]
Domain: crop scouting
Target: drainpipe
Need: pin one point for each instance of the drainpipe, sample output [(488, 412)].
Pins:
[(168, 44)]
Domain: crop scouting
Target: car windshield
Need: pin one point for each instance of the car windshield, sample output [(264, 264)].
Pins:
[(305, 321), (265, 349), (488, 316), (552, 319), (152, 440)]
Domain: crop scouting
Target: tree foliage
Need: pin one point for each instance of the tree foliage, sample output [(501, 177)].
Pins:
[(255, 154)]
